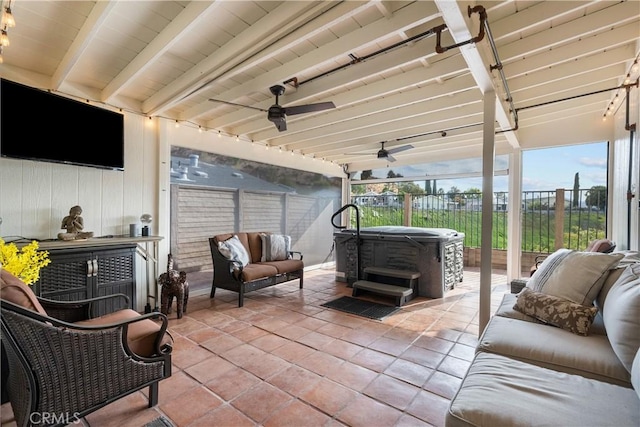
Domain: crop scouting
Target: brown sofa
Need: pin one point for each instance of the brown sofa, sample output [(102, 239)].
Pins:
[(231, 275)]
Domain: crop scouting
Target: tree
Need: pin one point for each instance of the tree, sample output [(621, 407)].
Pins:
[(427, 187), (576, 190), (366, 175), (453, 192), (597, 196), (409, 188), (392, 174), (473, 193)]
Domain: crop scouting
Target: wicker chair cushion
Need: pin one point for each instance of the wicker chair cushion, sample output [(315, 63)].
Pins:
[(16, 291), (141, 335)]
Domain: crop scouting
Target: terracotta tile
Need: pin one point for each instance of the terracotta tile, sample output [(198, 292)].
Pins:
[(442, 384), (269, 342), (297, 414), (261, 401), (360, 337), (293, 317), (342, 349), (292, 351), (333, 330), (221, 343), (409, 372), (409, 421), (315, 339), (293, 332), (129, 409), (186, 353), (172, 387), (232, 383), (454, 366), (422, 356), (434, 343), (444, 333), (391, 391), (186, 326), (295, 380), (203, 335), (365, 411), (373, 360), (320, 363), (234, 326), (353, 376), (225, 415), (389, 346), (249, 334), (271, 324), (403, 334), (265, 366), (190, 406), (311, 323), (462, 351), (429, 408), (209, 369), (329, 396), (242, 354)]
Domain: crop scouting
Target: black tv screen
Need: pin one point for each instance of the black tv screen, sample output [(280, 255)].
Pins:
[(39, 125)]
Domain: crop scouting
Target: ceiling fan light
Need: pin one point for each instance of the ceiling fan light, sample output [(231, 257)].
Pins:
[(7, 18)]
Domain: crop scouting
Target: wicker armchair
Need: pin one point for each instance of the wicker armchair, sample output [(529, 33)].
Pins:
[(63, 368)]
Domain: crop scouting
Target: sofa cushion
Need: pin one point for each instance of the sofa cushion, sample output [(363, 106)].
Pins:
[(573, 275), (275, 247), (255, 271), (622, 315), (286, 266), (141, 335), (635, 373), (16, 291), (554, 348), (255, 246), (556, 311), (234, 250), (499, 391)]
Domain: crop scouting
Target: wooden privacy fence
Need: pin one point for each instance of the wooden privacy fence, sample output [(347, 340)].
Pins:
[(199, 212)]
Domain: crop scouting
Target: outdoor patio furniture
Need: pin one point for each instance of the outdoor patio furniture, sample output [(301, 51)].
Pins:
[(64, 364)]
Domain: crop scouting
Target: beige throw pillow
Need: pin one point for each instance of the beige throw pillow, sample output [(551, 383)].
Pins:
[(234, 250), (573, 275), (556, 311), (275, 247)]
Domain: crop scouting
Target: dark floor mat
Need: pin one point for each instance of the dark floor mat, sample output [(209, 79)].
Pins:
[(372, 310), (159, 422)]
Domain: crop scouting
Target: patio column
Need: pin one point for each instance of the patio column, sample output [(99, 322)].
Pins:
[(488, 155)]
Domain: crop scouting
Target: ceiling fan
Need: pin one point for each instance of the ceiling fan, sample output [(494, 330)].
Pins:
[(278, 114), (387, 154)]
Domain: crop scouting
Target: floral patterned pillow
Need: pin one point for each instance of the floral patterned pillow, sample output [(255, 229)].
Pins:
[(556, 311)]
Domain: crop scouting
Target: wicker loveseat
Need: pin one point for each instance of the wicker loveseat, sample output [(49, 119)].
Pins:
[(259, 272), (63, 363)]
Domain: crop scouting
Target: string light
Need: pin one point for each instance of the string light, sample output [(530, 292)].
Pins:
[(4, 38), (631, 75), (177, 124), (219, 134), (237, 138), (7, 17), (199, 129)]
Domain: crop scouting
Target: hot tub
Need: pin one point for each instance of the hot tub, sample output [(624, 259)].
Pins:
[(436, 253)]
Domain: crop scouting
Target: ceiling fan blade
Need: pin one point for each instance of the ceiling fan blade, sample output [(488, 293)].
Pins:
[(281, 124), (390, 158), (399, 149), (237, 105), (308, 108)]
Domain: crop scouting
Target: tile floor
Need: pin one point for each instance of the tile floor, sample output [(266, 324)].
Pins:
[(283, 360)]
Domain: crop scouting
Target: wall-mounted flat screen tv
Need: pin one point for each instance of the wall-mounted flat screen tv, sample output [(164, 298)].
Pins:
[(39, 125)]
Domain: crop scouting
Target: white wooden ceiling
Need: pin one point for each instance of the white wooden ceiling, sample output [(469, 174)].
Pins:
[(168, 58)]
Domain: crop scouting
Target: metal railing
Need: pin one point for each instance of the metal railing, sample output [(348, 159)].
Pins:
[(545, 228)]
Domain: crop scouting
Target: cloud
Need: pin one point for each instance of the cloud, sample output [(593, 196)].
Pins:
[(593, 162)]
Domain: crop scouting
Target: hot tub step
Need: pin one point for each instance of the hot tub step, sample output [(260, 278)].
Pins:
[(402, 294)]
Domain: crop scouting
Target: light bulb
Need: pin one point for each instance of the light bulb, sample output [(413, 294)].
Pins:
[(200, 129), (219, 134), (7, 18), (4, 38), (237, 138), (635, 66), (628, 79), (177, 124)]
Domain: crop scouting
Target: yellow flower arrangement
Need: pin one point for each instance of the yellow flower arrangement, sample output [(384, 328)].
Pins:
[(26, 263)]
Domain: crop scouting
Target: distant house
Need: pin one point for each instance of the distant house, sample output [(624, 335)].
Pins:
[(190, 171), (430, 202)]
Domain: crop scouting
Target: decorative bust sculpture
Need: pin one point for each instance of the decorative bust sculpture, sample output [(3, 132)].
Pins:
[(74, 225)]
